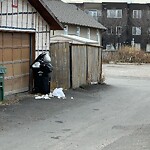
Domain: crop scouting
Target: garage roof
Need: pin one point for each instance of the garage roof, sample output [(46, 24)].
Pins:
[(47, 14), (71, 14)]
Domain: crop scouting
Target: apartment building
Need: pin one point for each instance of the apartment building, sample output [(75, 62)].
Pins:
[(139, 25), (126, 23)]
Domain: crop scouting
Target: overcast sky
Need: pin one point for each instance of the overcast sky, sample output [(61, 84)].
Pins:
[(99, 1)]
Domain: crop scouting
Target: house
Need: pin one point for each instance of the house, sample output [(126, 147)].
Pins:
[(126, 23), (24, 28), (75, 21)]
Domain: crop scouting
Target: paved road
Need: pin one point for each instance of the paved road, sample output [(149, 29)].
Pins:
[(127, 70), (113, 116)]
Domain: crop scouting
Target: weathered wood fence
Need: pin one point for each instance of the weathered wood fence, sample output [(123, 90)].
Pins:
[(75, 65)]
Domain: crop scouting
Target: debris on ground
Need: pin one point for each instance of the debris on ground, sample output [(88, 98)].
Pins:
[(13, 99), (42, 97), (58, 92)]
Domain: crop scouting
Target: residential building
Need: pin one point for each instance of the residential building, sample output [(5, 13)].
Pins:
[(76, 23), (115, 20), (126, 23), (24, 28), (139, 25)]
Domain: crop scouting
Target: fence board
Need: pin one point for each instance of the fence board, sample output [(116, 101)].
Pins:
[(94, 64), (61, 61), (78, 65)]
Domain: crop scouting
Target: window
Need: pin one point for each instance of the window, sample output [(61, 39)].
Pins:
[(148, 31), (78, 31), (88, 33), (137, 46), (148, 48), (98, 35), (66, 30), (94, 13), (136, 30), (137, 14), (114, 13), (15, 3), (110, 47), (110, 30), (118, 30)]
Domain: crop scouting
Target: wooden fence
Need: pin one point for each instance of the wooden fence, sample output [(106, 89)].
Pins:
[(75, 65)]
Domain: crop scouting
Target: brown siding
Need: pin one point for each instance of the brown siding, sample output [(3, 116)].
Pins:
[(15, 56)]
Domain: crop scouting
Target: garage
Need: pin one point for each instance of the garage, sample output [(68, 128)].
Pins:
[(25, 27), (15, 50)]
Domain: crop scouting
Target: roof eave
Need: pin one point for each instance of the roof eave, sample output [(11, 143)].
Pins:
[(48, 16), (100, 28)]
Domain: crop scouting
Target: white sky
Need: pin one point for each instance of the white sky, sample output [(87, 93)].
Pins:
[(99, 1)]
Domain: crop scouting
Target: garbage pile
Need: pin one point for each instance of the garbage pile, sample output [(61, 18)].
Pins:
[(58, 92), (42, 69)]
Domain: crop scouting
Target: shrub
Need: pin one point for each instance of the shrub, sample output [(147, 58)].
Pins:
[(127, 55)]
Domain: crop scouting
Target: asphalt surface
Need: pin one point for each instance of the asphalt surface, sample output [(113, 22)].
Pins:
[(112, 116)]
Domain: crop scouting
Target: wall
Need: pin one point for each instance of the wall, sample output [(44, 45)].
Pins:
[(83, 32)]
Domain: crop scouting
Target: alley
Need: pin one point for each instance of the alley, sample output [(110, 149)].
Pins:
[(112, 116)]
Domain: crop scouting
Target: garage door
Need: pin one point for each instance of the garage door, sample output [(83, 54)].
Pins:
[(15, 56)]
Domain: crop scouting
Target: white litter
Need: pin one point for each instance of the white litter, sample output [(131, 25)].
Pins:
[(58, 92), (42, 97), (38, 97), (46, 97), (94, 83), (36, 65), (47, 58), (51, 94), (72, 98)]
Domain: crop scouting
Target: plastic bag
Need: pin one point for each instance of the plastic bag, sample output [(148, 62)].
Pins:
[(36, 65), (58, 92), (47, 58)]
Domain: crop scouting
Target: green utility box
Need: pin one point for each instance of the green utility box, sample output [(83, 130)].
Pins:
[(2, 72)]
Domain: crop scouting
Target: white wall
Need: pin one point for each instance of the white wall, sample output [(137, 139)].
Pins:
[(25, 18), (83, 32)]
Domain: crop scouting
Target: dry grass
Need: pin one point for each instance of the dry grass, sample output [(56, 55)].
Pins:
[(128, 55)]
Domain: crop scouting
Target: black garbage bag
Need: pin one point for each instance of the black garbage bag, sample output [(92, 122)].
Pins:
[(42, 69), (46, 67), (42, 58), (39, 59)]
